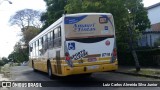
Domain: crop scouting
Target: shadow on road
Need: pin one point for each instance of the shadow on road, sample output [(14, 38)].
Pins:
[(80, 77), (67, 81)]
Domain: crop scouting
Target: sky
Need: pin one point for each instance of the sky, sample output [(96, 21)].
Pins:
[(9, 35)]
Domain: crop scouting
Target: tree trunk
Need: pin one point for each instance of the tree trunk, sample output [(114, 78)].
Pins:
[(136, 60), (134, 54)]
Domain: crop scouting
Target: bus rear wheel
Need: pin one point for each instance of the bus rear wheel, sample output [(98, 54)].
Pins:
[(50, 75)]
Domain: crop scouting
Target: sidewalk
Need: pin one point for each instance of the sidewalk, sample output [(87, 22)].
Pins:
[(2, 78), (145, 72)]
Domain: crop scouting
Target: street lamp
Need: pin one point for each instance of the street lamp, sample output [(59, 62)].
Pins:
[(5, 0)]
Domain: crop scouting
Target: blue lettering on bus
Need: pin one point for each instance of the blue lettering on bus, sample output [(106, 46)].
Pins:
[(72, 20), (84, 27)]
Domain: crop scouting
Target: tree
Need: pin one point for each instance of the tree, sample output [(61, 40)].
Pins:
[(1, 63), (55, 9), (26, 18), (121, 10), (136, 22), (29, 22), (5, 60), (29, 34), (19, 54)]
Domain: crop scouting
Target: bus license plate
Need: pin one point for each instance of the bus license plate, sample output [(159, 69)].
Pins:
[(92, 59), (92, 67)]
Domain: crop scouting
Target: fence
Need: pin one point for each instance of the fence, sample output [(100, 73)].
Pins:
[(145, 57)]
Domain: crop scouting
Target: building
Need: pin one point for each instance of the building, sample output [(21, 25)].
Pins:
[(151, 35)]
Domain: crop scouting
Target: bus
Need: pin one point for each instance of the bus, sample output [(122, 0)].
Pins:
[(81, 43)]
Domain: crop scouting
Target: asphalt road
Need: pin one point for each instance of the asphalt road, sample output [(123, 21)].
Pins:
[(24, 73)]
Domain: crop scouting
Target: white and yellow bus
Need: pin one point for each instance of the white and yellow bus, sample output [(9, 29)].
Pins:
[(76, 44)]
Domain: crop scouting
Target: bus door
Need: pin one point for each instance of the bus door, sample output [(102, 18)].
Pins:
[(58, 63)]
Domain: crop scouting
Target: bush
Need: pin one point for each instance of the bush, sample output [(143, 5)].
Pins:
[(2, 63), (157, 43), (145, 57)]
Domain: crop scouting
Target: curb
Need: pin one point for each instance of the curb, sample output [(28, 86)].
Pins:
[(142, 75)]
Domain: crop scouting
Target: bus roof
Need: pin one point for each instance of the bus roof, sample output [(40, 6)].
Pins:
[(79, 14)]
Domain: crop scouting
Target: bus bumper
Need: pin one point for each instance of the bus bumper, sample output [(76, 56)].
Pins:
[(89, 69)]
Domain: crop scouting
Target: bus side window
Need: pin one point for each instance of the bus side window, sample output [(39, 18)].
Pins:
[(40, 46), (59, 31), (57, 37), (37, 52), (49, 40), (56, 33), (43, 44), (34, 49), (46, 42), (53, 37), (30, 49)]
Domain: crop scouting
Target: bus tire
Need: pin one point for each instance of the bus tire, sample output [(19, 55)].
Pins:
[(33, 66), (50, 75)]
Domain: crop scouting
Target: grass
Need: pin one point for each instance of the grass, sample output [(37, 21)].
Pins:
[(6, 70), (154, 72)]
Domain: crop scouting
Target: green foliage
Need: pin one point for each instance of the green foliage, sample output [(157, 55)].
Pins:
[(126, 13), (21, 50), (19, 54), (55, 9), (29, 22), (157, 43), (3, 61), (29, 34)]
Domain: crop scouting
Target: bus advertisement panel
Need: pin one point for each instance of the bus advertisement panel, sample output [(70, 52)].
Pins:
[(89, 25)]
